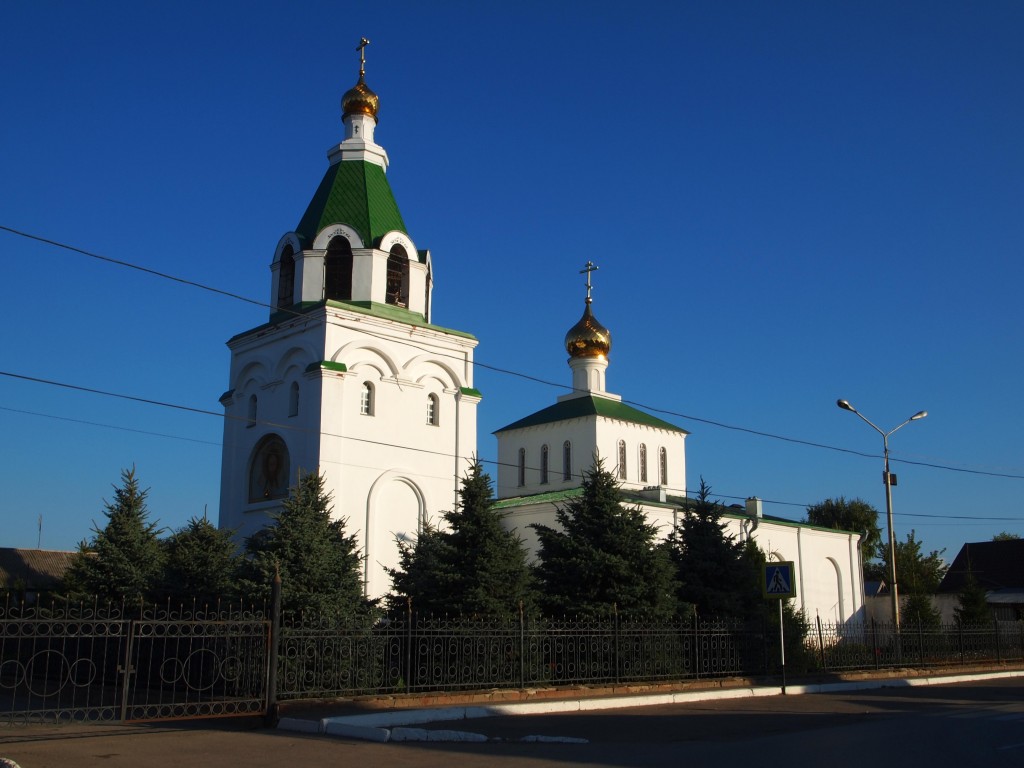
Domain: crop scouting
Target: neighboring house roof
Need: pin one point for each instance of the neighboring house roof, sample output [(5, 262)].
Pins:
[(588, 405), (355, 193), (32, 569), (995, 565)]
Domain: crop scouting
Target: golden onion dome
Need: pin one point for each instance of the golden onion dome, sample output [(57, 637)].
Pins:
[(588, 338), (360, 100)]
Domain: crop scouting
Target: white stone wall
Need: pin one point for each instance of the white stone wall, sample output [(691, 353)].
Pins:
[(387, 472)]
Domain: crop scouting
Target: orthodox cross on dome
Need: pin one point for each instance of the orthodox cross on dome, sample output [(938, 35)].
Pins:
[(590, 267), (363, 42)]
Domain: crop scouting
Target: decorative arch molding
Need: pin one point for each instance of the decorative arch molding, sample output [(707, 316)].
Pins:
[(377, 489), (256, 372), (840, 606), (424, 367), (355, 353), (337, 230), (360, 370), (393, 238), (291, 239), (296, 357)]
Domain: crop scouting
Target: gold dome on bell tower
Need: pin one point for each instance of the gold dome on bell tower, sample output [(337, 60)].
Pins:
[(588, 338), (360, 99)]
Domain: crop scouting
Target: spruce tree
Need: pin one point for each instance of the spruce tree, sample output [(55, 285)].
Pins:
[(972, 604), (319, 563), (711, 569), (471, 566), (603, 555), (201, 563), (124, 559)]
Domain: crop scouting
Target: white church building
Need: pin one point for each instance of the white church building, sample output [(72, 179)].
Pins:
[(350, 377)]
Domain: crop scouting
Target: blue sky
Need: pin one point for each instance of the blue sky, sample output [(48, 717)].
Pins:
[(789, 203)]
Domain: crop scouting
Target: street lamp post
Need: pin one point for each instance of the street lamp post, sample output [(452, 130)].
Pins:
[(888, 479)]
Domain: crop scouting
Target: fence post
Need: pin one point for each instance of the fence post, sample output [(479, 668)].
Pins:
[(522, 646), (999, 654), (615, 638), (876, 649), (408, 644), (960, 640), (273, 646), (696, 644), (821, 642)]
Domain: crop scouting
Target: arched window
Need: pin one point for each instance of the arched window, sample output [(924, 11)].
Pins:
[(286, 278), (338, 270), (622, 459), (522, 467), (426, 296), (293, 399), (643, 463), (663, 464), (366, 399), (398, 277), (252, 411), (268, 470), (544, 464), (566, 461), (432, 410)]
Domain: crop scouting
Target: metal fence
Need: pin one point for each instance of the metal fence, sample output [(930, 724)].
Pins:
[(74, 661), (408, 653)]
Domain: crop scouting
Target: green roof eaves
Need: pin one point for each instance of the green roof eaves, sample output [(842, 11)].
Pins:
[(471, 391), (589, 405), (538, 498), (328, 365)]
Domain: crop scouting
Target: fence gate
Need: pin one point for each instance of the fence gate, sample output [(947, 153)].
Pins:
[(73, 663)]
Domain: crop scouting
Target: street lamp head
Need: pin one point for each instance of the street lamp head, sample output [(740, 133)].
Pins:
[(919, 415), (845, 405)]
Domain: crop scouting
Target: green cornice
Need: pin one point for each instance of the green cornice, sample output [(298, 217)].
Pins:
[(327, 365), (588, 405), (471, 392), (372, 308), (551, 497), (356, 193)]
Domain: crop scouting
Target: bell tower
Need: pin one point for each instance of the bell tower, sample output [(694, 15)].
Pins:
[(349, 376)]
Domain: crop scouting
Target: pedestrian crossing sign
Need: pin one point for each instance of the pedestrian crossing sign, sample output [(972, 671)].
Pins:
[(779, 580)]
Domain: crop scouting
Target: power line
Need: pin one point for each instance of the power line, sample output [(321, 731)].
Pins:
[(497, 369)]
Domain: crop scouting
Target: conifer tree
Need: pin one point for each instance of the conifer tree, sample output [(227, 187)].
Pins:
[(201, 563), (472, 566), (124, 559), (319, 563), (711, 569), (972, 604), (603, 555)]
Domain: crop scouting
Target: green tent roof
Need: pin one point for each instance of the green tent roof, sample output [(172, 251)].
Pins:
[(588, 405), (355, 193)]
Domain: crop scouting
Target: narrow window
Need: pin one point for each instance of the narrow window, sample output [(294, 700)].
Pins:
[(293, 399), (522, 467), (544, 465), (398, 277), (432, 416), (286, 278), (622, 459), (566, 461), (663, 463), (366, 399), (252, 411), (643, 463), (426, 296), (338, 270)]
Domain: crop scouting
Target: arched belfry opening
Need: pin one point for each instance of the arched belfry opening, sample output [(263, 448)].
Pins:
[(397, 292), (338, 270), (286, 278)]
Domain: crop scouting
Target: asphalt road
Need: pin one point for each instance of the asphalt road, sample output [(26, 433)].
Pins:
[(966, 724)]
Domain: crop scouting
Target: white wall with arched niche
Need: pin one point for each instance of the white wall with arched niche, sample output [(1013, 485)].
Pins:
[(395, 511)]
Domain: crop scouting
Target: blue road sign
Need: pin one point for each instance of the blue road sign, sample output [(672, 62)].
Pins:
[(779, 580)]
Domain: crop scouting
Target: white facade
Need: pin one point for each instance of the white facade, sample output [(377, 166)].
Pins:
[(349, 377), (830, 580)]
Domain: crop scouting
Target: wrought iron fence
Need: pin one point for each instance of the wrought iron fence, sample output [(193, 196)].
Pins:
[(80, 661), (406, 652), (76, 661)]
